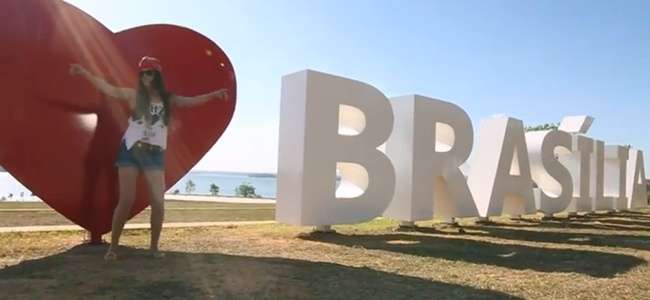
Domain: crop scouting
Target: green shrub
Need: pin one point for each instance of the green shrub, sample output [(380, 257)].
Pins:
[(246, 190), (214, 189)]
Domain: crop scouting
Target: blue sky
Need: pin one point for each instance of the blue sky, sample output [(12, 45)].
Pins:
[(533, 60)]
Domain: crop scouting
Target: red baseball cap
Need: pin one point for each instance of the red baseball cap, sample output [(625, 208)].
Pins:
[(150, 63)]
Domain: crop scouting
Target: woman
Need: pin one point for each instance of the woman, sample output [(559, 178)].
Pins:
[(144, 142)]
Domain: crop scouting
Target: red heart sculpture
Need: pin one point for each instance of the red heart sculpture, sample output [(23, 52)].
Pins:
[(59, 136)]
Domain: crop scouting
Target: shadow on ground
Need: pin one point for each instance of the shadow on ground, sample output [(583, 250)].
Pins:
[(80, 272), (589, 223), (519, 257), (632, 221), (588, 239)]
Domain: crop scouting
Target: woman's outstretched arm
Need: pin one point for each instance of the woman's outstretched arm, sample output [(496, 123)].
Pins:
[(221, 94), (122, 93)]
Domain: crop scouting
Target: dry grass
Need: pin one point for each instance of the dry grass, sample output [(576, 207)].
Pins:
[(591, 257), (32, 214), (170, 204)]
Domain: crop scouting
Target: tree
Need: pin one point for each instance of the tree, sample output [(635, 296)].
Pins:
[(190, 187), (214, 189), (547, 126), (246, 190), (176, 192)]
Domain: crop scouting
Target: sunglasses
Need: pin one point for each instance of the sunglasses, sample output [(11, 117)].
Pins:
[(148, 72)]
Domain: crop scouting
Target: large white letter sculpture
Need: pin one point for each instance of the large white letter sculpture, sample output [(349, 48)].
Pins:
[(579, 164), (637, 193), (599, 202), (586, 165), (330, 170), (329, 122), (430, 140), (555, 188), (500, 174), (616, 176)]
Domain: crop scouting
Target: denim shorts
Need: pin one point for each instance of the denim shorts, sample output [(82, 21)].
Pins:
[(142, 156)]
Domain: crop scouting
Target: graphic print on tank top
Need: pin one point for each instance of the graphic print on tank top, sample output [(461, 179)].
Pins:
[(153, 132), (151, 129)]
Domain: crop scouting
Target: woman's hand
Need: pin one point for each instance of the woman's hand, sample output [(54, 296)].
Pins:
[(76, 69), (221, 94)]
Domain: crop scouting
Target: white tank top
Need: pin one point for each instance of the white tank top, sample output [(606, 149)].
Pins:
[(154, 133)]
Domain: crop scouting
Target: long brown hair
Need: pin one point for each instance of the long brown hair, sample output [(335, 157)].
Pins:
[(143, 99)]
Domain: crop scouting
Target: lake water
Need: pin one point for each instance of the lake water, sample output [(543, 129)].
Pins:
[(227, 183), (265, 185)]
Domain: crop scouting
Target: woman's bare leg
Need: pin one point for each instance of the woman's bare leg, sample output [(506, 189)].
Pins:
[(127, 180), (156, 182)]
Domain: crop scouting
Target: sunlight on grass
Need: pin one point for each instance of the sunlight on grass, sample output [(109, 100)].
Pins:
[(520, 259)]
